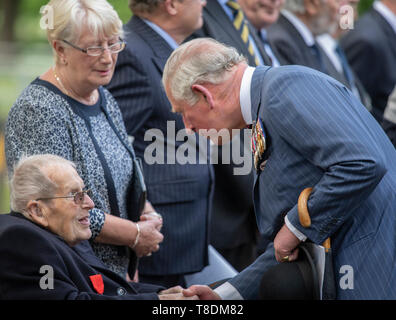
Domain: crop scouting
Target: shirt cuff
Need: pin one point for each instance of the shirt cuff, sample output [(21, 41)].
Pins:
[(228, 292), (296, 232)]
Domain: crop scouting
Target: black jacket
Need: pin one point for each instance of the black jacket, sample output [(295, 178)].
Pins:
[(28, 252)]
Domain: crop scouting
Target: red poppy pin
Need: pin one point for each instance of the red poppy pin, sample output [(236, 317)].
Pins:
[(97, 282)]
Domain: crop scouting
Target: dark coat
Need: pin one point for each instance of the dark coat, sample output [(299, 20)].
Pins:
[(371, 51), (26, 247), (181, 193)]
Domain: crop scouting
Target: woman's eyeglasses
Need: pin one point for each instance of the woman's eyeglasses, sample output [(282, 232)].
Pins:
[(97, 51)]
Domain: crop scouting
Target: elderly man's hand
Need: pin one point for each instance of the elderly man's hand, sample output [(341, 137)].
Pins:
[(175, 293), (203, 292), (286, 245), (149, 238)]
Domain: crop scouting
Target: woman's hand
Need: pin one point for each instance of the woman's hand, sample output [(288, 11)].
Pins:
[(149, 237)]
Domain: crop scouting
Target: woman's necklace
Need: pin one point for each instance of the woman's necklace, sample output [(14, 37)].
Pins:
[(91, 98)]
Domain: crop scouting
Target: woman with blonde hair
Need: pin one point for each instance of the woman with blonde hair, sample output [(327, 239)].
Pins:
[(67, 112)]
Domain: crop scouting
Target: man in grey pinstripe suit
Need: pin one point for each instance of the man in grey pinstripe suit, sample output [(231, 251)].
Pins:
[(317, 134)]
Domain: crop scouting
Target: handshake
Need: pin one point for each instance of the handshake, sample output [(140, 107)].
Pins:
[(194, 292)]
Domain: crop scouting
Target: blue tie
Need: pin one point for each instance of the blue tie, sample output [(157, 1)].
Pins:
[(316, 51), (345, 67)]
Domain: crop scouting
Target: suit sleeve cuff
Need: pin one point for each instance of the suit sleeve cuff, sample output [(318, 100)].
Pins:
[(228, 292), (295, 231)]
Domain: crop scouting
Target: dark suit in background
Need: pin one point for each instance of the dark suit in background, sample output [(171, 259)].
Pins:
[(21, 265), (331, 46), (181, 193), (233, 226), (218, 25), (371, 50), (292, 49)]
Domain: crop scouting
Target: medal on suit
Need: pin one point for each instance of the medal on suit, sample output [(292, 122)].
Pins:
[(258, 143)]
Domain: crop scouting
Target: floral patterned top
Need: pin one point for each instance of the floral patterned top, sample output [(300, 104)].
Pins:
[(44, 120)]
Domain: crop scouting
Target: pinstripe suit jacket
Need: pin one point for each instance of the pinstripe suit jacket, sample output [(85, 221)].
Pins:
[(319, 135), (181, 193)]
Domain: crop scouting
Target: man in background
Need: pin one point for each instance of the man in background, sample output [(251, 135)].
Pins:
[(371, 51), (181, 193)]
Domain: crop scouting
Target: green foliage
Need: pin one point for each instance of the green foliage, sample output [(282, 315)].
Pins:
[(364, 5), (27, 26)]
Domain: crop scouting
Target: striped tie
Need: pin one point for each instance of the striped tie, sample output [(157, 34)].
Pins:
[(241, 25)]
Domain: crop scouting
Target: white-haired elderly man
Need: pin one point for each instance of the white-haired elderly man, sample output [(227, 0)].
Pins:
[(308, 130), (43, 249), (294, 36)]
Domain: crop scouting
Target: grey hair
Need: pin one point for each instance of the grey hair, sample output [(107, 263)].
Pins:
[(198, 61), (70, 16), (143, 6), (295, 6), (30, 180)]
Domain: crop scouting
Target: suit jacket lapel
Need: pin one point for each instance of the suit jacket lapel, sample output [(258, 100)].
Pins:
[(255, 93), (214, 9), (255, 89), (304, 52), (84, 250), (161, 49)]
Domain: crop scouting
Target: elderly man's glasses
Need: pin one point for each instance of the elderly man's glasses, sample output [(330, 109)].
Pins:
[(97, 51), (78, 197)]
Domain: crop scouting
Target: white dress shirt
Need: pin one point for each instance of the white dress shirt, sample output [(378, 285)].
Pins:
[(329, 45)]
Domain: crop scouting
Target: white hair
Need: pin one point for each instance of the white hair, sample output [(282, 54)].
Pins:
[(30, 180), (198, 61), (71, 16)]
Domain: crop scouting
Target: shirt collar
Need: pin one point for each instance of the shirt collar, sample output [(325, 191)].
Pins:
[(244, 95), (172, 43), (303, 30), (227, 10), (388, 15)]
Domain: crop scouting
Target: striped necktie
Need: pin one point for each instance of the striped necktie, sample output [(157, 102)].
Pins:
[(241, 25)]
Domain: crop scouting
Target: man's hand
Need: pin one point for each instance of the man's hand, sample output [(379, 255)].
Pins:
[(203, 292), (175, 293), (286, 245)]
